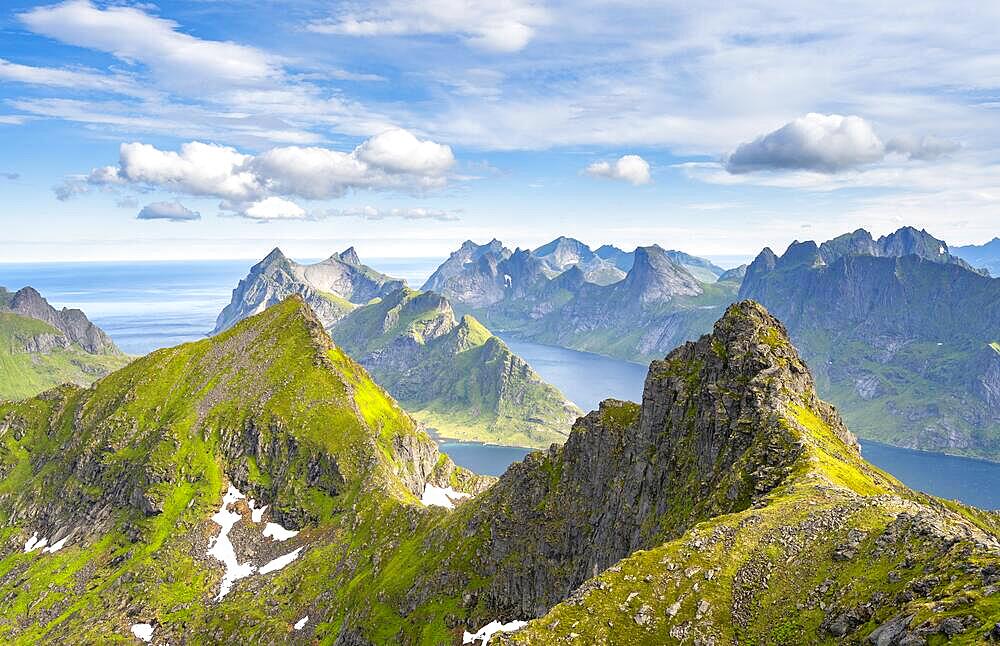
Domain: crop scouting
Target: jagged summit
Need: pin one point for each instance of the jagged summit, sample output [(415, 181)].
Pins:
[(332, 287), (655, 278)]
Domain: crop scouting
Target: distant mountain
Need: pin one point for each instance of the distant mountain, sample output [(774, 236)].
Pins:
[(332, 287), (453, 374), (42, 347), (657, 304), (900, 333), (258, 487), (986, 255)]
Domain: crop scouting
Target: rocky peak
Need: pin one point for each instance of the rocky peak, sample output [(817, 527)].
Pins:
[(350, 256), (72, 323), (655, 278), (800, 253), (563, 253)]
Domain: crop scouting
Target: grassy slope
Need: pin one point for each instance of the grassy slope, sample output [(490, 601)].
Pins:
[(471, 386), (768, 574), (180, 407), (25, 375)]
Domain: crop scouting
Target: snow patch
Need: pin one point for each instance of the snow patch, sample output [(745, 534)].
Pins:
[(143, 632), (256, 515), (442, 496), (280, 562), (222, 548), (58, 545), (301, 623), (941, 250), (486, 632), (278, 533), (30, 543), (507, 281)]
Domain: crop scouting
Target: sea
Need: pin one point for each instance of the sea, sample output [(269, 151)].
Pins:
[(149, 305)]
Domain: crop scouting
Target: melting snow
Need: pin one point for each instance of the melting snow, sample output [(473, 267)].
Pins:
[(280, 562), (941, 250), (222, 548), (278, 533), (31, 542), (442, 496), (507, 282), (492, 628), (58, 545), (143, 632), (301, 623), (256, 515)]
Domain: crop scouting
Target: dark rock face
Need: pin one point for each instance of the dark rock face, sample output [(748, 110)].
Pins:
[(73, 323), (632, 476), (276, 277)]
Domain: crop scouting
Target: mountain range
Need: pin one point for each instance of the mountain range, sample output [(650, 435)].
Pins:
[(902, 335), (42, 347), (258, 487), (450, 372), (660, 299)]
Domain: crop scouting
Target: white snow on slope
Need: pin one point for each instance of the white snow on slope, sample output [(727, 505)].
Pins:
[(222, 548), (256, 515), (143, 632), (301, 623), (58, 545), (486, 632), (280, 562), (442, 496), (278, 533)]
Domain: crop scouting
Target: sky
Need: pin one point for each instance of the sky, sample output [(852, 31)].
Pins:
[(222, 128)]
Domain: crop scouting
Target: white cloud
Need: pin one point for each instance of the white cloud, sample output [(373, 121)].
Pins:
[(627, 168), (492, 25), (255, 185), (10, 176), (77, 79), (923, 148), (826, 143), (135, 37), (273, 208), (173, 211), (413, 213)]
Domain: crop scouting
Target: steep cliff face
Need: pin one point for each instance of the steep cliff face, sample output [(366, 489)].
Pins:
[(897, 341), (41, 347), (332, 287), (453, 374)]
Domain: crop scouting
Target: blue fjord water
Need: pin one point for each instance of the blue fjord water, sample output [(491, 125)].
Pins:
[(150, 305)]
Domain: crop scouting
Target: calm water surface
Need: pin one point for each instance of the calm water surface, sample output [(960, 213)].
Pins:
[(145, 306)]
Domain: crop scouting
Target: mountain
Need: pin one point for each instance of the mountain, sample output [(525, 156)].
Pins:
[(453, 374), (564, 253), (985, 255), (900, 332), (257, 487), (459, 263), (332, 287), (42, 347), (657, 305)]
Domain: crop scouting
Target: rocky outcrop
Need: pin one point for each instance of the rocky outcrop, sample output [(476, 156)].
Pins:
[(73, 323), (331, 287)]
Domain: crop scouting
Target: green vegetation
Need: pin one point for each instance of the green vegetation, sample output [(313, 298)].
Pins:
[(25, 373), (453, 375)]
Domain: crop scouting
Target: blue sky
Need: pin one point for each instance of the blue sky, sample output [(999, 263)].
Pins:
[(217, 129)]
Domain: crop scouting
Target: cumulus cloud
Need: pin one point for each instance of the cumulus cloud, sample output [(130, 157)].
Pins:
[(134, 36), (826, 143), (270, 208), (173, 211), (628, 168), (414, 213), (392, 160), (492, 25)]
